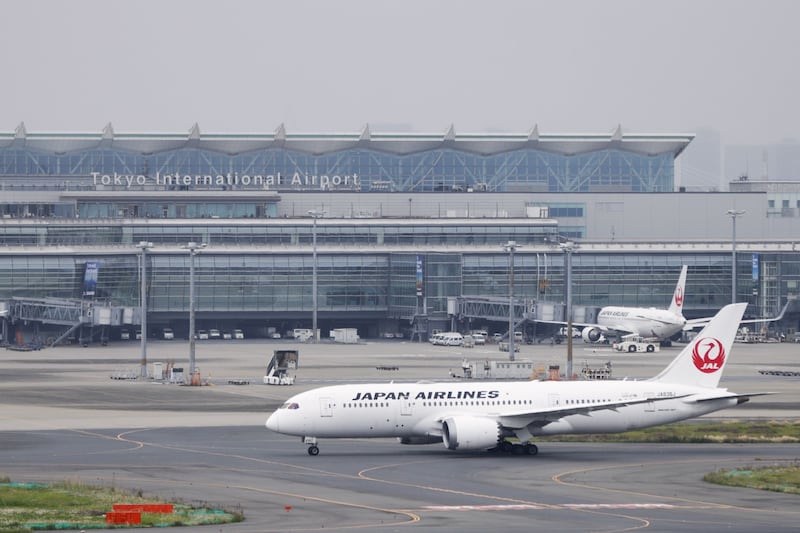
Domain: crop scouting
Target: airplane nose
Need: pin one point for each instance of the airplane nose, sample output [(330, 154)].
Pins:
[(272, 422)]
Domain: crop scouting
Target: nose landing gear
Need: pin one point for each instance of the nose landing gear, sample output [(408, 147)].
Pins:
[(313, 449)]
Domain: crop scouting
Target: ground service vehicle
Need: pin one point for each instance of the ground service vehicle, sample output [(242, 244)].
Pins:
[(637, 343)]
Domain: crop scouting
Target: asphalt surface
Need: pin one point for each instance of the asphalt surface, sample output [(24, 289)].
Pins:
[(63, 417)]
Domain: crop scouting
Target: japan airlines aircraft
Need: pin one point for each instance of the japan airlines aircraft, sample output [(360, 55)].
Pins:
[(467, 416), (651, 322), (662, 324)]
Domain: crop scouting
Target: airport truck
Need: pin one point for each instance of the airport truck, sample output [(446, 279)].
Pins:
[(637, 343)]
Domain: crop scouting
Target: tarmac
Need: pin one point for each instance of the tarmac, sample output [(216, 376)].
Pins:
[(71, 387), (63, 416)]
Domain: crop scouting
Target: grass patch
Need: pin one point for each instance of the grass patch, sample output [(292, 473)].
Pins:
[(28, 507), (784, 479), (698, 432)]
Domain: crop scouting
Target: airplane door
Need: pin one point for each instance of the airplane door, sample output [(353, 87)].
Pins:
[(553, 400), (326, 407), (405, 408)]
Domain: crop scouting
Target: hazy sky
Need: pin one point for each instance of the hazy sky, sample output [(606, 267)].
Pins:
[(661, 66)]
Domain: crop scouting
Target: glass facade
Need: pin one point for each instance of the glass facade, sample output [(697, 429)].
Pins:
[(382, 284), (273, 283), (288, 232), (61, 276), (433, 170)]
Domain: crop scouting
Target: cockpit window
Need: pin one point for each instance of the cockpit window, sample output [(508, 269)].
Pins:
[(290, 405)]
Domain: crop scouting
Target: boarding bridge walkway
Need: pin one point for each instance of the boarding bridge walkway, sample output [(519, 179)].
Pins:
[(72, 313), (494, 310), (525, 310), (60, 311)]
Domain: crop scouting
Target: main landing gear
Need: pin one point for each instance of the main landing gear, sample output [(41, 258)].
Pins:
[(313, 449), (527, 448)]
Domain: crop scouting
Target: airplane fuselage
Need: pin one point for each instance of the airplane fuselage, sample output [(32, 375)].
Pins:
[(416, 410), (647, 322), (476, 415)]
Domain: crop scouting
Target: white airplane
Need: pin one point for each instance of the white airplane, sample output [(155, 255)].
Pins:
[(472, 416), (650, 322), (614, 321)]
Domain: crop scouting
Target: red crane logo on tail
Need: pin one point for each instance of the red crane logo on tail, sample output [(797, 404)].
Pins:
[(678, 296), (708, 355)]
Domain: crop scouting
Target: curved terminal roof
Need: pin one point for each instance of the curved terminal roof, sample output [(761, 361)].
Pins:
[(325, 143)]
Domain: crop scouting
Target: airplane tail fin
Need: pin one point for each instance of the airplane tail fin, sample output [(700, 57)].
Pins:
[(702, 361), (676, 306)]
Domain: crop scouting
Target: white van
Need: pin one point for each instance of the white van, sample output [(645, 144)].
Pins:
[(452, 338), (303, 335), (167, 334)]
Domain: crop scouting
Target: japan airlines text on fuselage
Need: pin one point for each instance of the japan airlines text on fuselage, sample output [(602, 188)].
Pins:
[(648, 322)]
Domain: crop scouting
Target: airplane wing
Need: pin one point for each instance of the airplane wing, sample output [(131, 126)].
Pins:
[(563, 323), (617, 330), (742, 398), (542, 417), (656, 319), (701, 322)]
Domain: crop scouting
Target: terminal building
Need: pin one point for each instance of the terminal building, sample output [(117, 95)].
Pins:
[(400, 234)]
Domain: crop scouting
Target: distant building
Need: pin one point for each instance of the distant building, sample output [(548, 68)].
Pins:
[(411, 237), (783, 197)]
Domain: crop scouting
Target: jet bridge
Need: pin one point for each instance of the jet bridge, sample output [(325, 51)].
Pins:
[(49, 311), (493, 309), (525, 311), (70, 313)]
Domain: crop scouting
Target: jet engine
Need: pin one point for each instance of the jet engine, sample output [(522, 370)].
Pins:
[(591, 334), (470, 433)]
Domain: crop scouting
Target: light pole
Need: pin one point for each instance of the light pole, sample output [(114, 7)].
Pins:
[(568, 247), (194, 249), (143, 246), (315, 215), (733, 213), (511, 247)]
